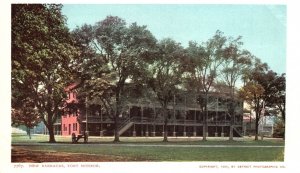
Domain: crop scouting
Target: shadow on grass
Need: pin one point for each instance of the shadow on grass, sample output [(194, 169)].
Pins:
[(43, 139), (200, 142)]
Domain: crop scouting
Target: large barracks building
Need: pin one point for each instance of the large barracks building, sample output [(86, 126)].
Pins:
[(144, 118)]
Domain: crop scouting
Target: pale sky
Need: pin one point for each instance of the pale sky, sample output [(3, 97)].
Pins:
[(263, 27)]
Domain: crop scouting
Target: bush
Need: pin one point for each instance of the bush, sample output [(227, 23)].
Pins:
[(279, 129)]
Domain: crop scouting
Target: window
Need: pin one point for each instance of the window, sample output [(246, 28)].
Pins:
[(74, 113)]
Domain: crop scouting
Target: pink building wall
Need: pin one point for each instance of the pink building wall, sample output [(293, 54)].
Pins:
[(69, 123)]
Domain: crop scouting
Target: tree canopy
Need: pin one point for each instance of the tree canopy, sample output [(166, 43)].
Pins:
[(164, 74), (264, 91), (113, 61), (42, 57), (119, 56)]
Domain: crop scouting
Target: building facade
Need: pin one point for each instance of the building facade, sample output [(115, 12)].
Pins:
[(69, 121), (144, 118)]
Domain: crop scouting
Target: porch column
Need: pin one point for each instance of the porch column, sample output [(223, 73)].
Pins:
[(154, 115), (101, 121), (174, 130), (217, 109), (142, 114), (184, 130), (216, 119), (129, 112), (222, 133), (174, 116), (153, 132), (207, 124), (216, 132), (134, 132), (147, 133), (86, 116), (195, 133), (225, 119)]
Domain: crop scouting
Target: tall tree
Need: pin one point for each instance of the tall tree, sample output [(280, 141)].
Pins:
[(274, 94), (207, 59), (252, 93), (25, 114), (125, 49), (236, 63), (164, 75), (258, 89), (95, 80), (42, 58), (274, 85), (277, 96)]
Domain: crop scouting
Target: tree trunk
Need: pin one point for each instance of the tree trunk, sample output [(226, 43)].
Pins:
[(231, 132), (250, 121), (49, 125), (205, 117), (205, 124), (231, 112), (256, 124), (256, 129), (204, 131), (117, 137), (165, 124), (51, 133), (231, 125), (165, 132), (283, 116), (28, 132)]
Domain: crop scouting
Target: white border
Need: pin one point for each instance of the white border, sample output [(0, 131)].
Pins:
[(293, 86), (155, 1)]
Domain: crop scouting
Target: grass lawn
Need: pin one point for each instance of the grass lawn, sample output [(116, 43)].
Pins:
[(170, 153), (21, 138), (158, 153)]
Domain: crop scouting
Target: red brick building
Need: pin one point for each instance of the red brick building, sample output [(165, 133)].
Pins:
[(69, 121)]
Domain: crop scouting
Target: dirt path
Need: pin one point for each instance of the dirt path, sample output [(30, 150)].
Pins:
[(20, 154)]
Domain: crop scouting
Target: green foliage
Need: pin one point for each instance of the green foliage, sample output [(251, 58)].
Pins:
[(206, 60), (251, 93), (164, 74), (264, 90), (42, 56), (237, 62), (276, 95), (114, 63), (279, 129), (114, 58), (25, 114)]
